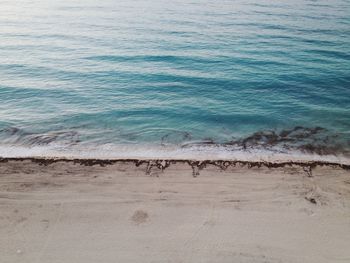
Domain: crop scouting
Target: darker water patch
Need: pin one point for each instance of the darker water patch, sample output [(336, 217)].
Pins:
[(175, 137), (316, 140), (14, 135)]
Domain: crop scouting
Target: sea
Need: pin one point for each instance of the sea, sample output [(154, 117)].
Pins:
[(180, 79)]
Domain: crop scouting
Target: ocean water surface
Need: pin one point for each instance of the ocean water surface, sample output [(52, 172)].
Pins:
[(175, 79)]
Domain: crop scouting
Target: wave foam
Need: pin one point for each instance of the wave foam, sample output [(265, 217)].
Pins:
[(165, 152)]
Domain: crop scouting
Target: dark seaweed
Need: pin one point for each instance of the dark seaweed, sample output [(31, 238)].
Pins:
[(197, 166)]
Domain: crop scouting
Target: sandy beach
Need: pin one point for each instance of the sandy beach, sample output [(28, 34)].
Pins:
[(84, 212)]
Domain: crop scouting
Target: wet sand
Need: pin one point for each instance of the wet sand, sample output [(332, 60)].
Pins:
[(135, 211)]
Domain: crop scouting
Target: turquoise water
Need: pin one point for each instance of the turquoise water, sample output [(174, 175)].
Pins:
[(238, 75)]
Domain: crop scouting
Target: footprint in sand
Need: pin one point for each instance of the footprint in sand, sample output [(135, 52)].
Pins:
[(139, 217)]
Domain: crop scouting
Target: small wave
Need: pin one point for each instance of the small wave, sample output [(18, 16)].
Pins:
[(316, 140), (296, 144), (152, 152)]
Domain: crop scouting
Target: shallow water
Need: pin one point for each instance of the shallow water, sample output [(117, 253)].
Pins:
[(235, 75)]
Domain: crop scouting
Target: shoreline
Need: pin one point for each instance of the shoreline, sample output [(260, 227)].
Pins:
[(176, 153), (196, 165)]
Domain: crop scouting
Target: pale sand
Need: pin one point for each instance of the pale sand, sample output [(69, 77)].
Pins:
[(66, 212)]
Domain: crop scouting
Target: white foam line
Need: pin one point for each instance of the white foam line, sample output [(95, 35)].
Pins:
[(161, 152)]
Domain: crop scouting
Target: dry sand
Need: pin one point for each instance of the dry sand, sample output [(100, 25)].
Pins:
[(66, 212)]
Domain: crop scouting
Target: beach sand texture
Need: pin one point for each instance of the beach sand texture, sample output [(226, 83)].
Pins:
[(69, 212)]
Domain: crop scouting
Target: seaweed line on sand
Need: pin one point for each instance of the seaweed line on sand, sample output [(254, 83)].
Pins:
[(197, 166)]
